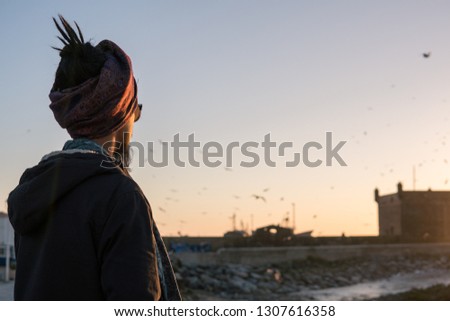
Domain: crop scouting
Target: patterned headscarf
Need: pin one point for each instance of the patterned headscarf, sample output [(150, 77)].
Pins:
[(100, 105)]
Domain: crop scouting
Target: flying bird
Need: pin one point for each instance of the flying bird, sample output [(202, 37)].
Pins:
[(257, 197), (426, 54)]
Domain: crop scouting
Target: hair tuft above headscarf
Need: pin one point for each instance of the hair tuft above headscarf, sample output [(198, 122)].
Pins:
[(69, 37), (80, 60)]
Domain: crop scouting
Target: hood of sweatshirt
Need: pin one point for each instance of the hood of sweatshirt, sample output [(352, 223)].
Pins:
[(43, 185)]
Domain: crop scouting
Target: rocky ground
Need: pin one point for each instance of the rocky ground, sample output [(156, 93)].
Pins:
[(287, 281)]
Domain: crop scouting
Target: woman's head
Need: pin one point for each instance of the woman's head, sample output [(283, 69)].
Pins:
[(94, 94)]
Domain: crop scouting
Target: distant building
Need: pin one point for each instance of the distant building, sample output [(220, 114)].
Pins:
[(6, 245), (414, 215), (272, 234), (6, 230)]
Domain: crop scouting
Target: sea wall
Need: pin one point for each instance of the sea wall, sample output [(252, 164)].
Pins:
[(269, 255)]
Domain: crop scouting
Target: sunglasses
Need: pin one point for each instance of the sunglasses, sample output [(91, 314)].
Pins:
[(139, 115), (135, 99)]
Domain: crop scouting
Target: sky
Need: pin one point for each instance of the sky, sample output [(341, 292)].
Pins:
[(237, 70)]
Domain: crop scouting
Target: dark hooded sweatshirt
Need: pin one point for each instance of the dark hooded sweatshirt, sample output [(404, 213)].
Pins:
[(85, 232)]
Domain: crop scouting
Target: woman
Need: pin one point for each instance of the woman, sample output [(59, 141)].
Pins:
[(83, 228)]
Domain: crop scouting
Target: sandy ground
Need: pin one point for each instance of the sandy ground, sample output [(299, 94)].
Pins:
[(6, 291)]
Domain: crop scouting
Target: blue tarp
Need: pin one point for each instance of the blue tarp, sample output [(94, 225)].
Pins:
[(185, 247)]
